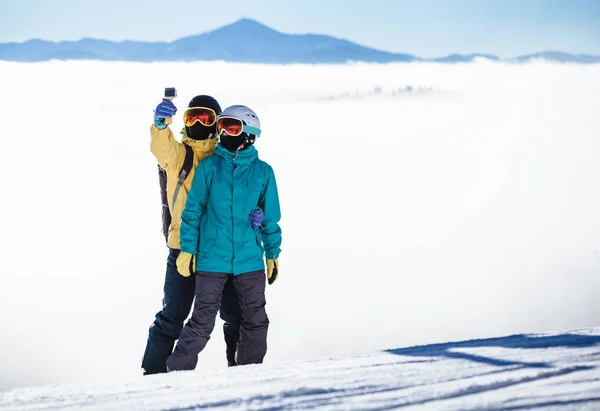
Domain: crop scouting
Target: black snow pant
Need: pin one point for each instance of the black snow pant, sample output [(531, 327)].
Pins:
[(177, 304), (252, 344)]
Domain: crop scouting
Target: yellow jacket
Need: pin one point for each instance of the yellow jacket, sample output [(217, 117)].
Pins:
[(170, 155)]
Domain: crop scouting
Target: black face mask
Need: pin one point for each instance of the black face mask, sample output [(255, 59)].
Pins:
[(200, 132), (232, 143)]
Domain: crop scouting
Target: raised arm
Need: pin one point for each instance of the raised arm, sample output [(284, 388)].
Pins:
[(163, 145)]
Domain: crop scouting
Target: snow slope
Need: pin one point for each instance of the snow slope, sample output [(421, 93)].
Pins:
[(411, 219), (520, 372)]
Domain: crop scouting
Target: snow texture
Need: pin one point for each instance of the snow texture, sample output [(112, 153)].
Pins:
[(520, 372)]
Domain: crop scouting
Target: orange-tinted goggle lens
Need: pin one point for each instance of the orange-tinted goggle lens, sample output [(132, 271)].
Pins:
[(230, 125), (205, 116)]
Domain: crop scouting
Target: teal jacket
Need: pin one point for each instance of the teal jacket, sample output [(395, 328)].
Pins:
[(215, 224)]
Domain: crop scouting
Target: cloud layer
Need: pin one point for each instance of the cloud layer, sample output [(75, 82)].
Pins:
[(468, 212)]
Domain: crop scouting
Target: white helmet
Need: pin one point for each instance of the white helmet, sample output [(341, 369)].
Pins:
[(248, 117)]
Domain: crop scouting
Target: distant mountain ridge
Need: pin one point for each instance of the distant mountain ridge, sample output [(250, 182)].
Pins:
[(245, 41)]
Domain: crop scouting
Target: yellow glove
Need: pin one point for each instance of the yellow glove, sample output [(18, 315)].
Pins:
[(186, 264), (272, 270)]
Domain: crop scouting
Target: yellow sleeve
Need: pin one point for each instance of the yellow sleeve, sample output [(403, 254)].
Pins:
[(165, 148)]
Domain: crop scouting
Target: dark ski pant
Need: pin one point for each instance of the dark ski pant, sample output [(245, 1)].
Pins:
[(252, 344), (177, 303)]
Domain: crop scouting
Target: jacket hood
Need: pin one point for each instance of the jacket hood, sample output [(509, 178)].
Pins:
[(245, 156)]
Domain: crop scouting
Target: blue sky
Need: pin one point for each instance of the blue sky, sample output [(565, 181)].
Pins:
[(423, 27)]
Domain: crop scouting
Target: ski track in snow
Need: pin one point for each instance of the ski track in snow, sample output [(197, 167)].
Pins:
[(522, 372)]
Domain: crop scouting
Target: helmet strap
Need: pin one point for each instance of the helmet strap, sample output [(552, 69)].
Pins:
[(242, 146)]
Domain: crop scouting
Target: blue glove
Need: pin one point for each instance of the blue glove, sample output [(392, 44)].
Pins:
[(166, 109), (256, 218)]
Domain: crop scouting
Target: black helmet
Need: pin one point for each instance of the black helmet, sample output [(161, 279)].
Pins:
[(199, 131)]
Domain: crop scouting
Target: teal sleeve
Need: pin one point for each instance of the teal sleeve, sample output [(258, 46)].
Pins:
[(270, 230), (192, 213)]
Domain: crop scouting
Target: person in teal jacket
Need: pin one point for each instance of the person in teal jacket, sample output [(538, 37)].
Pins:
[(220, 239)]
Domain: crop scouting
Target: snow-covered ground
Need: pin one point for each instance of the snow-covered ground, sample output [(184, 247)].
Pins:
[(520, 372), (408, 219)]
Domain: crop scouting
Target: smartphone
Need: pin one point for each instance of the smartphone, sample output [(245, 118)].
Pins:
[(170, 92)]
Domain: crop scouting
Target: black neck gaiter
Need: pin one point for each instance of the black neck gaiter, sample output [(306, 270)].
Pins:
[(200, 132), (232, 143)]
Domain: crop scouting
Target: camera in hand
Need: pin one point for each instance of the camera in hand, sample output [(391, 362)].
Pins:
[(170, 92)]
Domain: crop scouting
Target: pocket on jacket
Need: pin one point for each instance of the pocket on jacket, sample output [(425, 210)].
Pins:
[(208, 239), (253, 194)]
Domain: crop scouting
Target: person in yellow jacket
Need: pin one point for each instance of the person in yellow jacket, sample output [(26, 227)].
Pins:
[(200, 135)]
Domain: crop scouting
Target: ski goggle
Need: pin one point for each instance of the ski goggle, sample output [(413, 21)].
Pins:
[(234, 127), (204, 115)]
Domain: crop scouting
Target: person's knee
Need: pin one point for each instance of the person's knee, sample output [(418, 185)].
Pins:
[(255, 318), (170, 320)]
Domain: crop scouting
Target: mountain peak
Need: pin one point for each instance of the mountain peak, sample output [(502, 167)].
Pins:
[(244, 40), (247, 22), (246, 25)]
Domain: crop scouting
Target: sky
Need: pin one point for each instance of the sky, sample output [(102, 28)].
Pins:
[(427, 28)]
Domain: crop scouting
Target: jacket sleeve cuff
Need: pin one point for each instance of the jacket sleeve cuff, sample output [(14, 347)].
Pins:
[(271, 255), (188, 250)]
